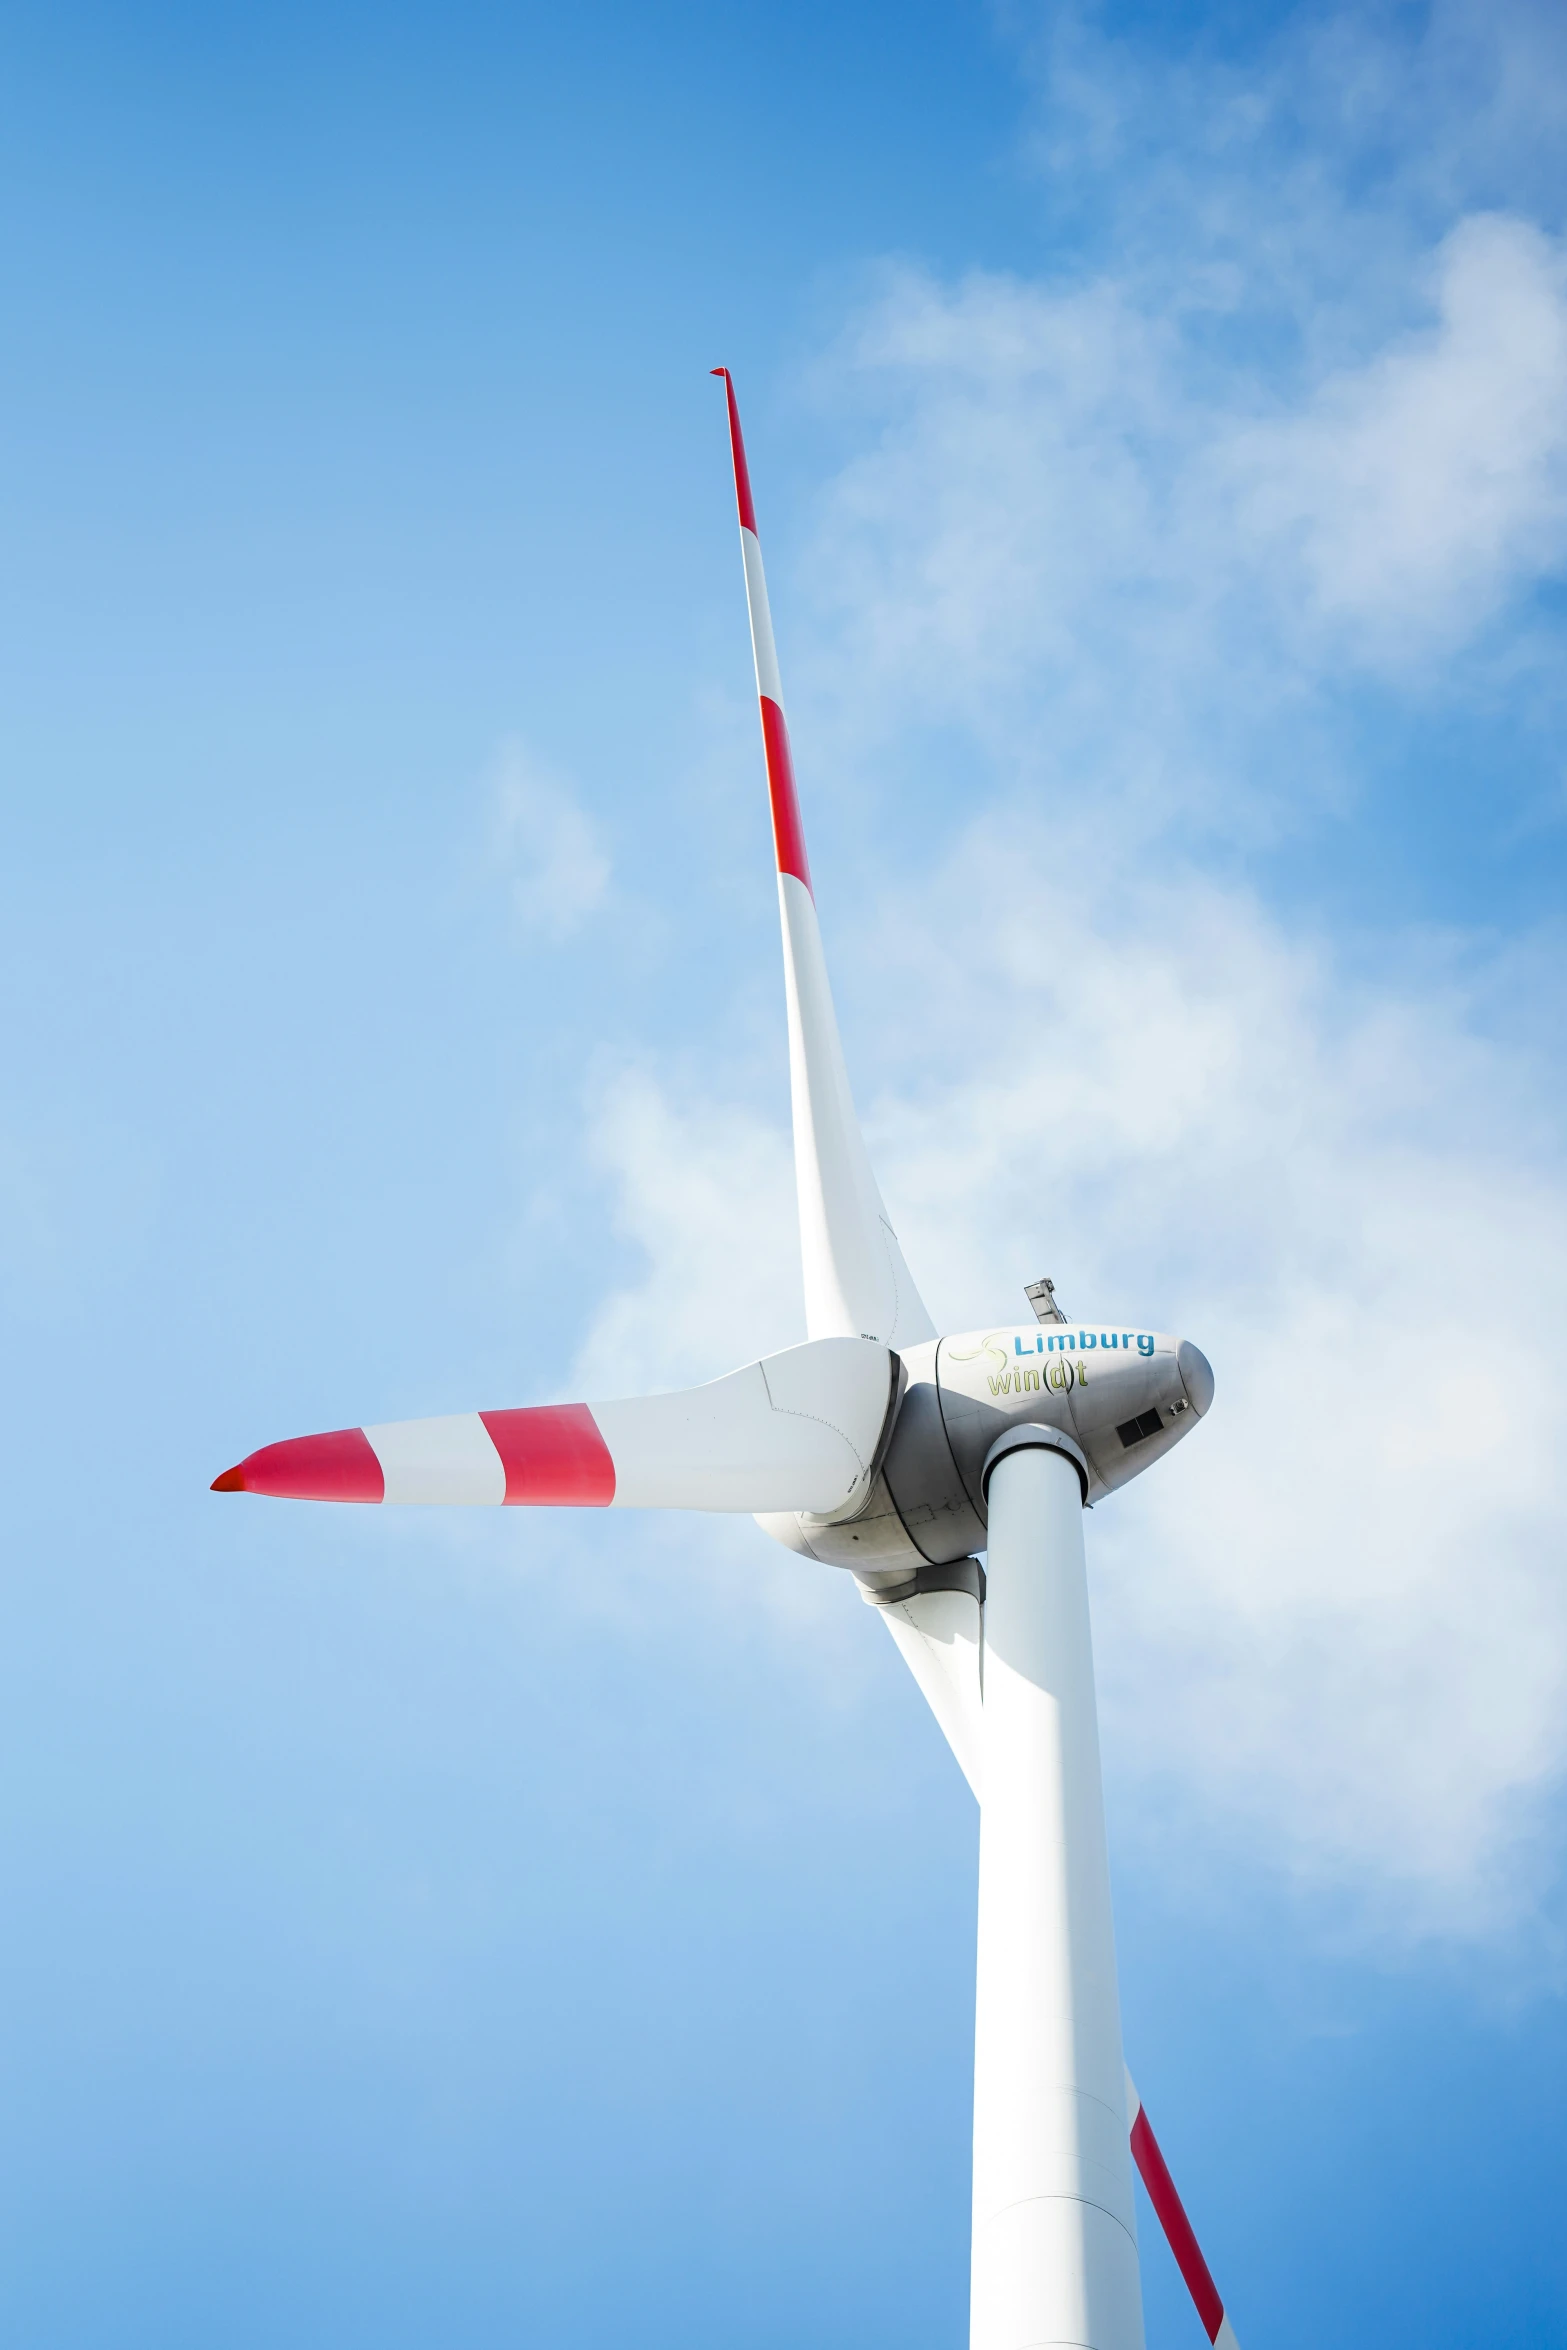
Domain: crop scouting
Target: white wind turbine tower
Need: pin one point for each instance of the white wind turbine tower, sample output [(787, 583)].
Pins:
[(880, 1447)]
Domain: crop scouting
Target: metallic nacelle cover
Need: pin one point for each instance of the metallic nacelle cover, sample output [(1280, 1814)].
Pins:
[(1092, 1382)]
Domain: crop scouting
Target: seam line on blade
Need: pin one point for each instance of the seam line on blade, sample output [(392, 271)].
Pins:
[(891, 1250), (976, 1504), (818, 1419)]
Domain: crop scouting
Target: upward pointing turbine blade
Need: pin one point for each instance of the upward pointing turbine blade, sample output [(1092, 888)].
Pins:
[(856, 1282)]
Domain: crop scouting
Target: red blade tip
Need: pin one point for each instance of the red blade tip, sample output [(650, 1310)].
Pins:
[(231, 1481)]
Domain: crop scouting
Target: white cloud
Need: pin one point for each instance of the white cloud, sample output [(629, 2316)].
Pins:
[(547, 845), (1016, 493), (706, 1192), (1070, 536), (1418, 491)]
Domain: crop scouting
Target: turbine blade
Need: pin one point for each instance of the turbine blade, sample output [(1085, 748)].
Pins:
[(856, 1281), (938, 1634), (1171, 2213), (798, 1431)]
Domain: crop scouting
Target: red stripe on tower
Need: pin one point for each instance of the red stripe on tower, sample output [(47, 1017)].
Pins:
[(339, 1466), (553, 1455), (1177, 2227), (743, 496), (788, 832)]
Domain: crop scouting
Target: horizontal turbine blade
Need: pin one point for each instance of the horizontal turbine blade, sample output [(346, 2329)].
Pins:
[(797, 1431), (856, 1280)]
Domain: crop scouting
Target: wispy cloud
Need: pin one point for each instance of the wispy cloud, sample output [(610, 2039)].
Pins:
[(547, 845), (1412, 496), (705, 1191)]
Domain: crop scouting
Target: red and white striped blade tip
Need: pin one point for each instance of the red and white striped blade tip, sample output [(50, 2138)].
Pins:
[(743, 497), (337, 1466), (550, 1454)]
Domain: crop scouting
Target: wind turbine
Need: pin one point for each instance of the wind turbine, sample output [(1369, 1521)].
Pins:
[(883, 1448)]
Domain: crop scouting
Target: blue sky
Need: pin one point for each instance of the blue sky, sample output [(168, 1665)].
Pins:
[(428, 1929)]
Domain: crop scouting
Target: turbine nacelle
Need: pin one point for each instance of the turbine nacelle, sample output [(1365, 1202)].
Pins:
[(1123, 1397)]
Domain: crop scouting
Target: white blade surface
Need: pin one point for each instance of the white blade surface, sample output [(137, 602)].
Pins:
[(937, 1634), (797, 1431), (856, 1281)]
